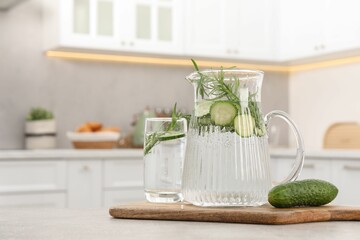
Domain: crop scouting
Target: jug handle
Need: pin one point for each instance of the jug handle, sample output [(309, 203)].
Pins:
[(299, 159)]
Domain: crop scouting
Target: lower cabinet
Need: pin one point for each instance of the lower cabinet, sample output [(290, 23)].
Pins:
[(123, 182), (347, 177), (84, 183), (313, 168), (133, 194), (344, 174), (96, 183), (32, 183), (72, 183)]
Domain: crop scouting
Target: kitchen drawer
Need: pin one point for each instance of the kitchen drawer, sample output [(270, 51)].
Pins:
[(85, 184), (32, 176), (34, 200), (347, 177), (313, 168), (123, 174), (114, 197)]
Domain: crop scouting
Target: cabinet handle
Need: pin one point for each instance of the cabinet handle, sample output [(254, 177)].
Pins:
[(131, 43), (309, 165), (123, 43), (236, 51), (228, 51), (316, 48), (352, 168), (322, 46)]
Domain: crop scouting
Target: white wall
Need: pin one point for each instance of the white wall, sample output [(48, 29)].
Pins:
[(321, 97)]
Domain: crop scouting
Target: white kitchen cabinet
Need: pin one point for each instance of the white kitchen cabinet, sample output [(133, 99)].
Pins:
[(156, 26), (32, 183), (313, 168), (114, 197), (300, 24), (312, 28), (347, 177), (91, 24), (251, 29), (231, 29), (131, 26), (123, 181), (84, 183), (29, 176), (342, 25), (70, 178), (205, 32)]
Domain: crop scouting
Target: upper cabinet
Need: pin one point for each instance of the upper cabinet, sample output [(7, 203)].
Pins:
[(259, 30), (157, 25), (312, 28), (134, 26), (238, 29)]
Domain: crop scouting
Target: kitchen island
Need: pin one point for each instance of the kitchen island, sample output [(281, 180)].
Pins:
[(25, 224)]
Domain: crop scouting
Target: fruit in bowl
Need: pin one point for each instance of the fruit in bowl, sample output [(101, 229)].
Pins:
[(92, 135)]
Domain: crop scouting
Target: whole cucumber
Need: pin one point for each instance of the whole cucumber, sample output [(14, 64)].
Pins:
[(309, 192)]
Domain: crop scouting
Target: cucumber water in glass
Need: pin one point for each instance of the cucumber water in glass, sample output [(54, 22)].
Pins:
[(227, 160), (164, 152)]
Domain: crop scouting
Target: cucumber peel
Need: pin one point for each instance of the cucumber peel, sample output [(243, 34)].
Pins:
[(171, 136), (305, 193)]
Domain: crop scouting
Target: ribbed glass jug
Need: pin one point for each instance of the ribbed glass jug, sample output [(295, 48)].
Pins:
[(227, 161)]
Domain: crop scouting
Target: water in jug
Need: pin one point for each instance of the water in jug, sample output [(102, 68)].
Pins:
[(227, 161)]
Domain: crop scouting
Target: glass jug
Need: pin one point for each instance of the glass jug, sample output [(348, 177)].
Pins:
[(227, 157)]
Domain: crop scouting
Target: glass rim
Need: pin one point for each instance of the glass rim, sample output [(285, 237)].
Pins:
[(255, 73)]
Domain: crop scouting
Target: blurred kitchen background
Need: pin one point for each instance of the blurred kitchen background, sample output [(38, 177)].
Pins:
[(269, 35), (110, 60)]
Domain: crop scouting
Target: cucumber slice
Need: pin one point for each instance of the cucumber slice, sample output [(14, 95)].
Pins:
[(244, 125), (222, 113), (202, 108), (171, 136)]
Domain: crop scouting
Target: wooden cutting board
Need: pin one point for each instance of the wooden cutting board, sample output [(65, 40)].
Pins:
[(257, 215), (343, 136)]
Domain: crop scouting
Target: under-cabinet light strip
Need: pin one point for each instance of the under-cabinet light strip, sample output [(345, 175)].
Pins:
[(323, 64), (160, 61), (203, 63)]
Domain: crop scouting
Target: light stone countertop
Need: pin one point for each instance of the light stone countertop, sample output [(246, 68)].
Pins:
[(38, 224), (138, 154)]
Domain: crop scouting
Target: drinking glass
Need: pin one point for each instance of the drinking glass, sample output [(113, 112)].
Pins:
[(164, 153)]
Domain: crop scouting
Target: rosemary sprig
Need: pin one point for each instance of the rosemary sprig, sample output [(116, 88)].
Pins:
[(214, 87), (154, 138)]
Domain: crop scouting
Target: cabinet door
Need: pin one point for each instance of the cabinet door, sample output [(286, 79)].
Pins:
[(250, 29), (342, 25), (90, 24), (119, 174), (300, 28), (313, 168), (114, 197), (156, 26), (346, 177), (205, 32), (84, 184), (123, 181), (32, 176)]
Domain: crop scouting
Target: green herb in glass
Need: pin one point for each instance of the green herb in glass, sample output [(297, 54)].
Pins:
[(152, 139)]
